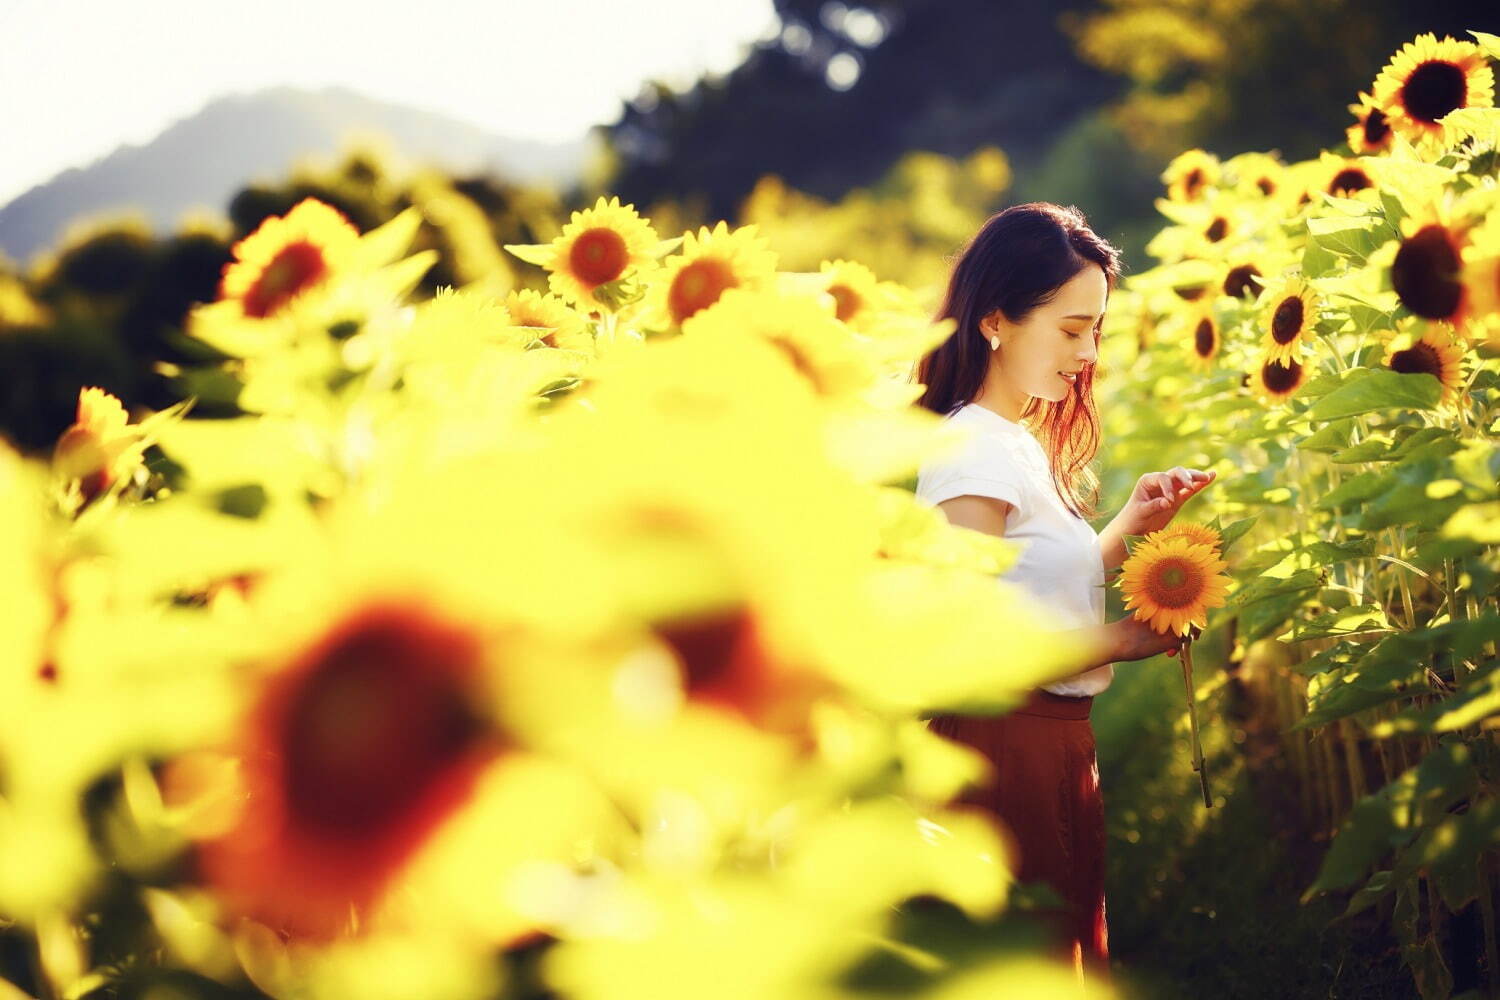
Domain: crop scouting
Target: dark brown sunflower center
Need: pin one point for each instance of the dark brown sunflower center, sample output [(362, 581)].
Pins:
[(698, 286), (1191, 293), (1266, 185), (598, 256), (1425, 273), (297, 266), (1281, 379), (1377, 127), (1176, 583), (1203, 338), (1348, 181), (1419, 357), (1238, 282), (1286, 321), (1217, 229), (720, 658), (1192, 183), (848, 302), (1433, 89), (380, 715)]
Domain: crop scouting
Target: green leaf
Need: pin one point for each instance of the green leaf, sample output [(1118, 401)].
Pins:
[(1331, 437), (1378, 389), (1341, 621), (1355, 490), (1421, 954)]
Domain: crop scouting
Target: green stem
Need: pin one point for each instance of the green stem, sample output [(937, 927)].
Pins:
[(1186, 654)]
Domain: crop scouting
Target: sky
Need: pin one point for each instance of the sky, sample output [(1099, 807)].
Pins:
[(80, 77)]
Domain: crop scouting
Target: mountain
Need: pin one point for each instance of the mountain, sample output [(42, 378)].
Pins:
[(202, 160)]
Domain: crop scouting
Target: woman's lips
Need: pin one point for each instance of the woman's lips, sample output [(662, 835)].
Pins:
[(1070, 379)]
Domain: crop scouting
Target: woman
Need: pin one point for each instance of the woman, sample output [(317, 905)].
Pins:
[(1029, 294)]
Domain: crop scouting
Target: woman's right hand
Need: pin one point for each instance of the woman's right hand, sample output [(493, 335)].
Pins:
[(1136, 640)]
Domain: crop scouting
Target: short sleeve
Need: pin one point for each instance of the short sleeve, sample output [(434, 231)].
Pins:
[(986, 467)]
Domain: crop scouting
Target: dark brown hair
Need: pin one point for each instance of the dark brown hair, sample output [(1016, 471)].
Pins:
[(1017, 261)]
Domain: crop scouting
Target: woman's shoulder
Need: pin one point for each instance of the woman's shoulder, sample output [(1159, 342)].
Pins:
[(984, 448)]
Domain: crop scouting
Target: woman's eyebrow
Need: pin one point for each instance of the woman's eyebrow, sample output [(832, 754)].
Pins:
[(1081, 316)]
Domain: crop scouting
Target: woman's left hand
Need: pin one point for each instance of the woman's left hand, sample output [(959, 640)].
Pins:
[(1158, 496)]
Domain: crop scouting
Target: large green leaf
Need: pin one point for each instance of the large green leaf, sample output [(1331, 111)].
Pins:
[(1369, 389)]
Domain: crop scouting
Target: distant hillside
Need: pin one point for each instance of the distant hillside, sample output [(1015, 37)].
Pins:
[(202, 160)]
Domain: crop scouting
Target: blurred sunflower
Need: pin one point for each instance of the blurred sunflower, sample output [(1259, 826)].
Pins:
[(598, 246), (1481, 279), (1190, 174), (1370, 135), (1170, 583), (803, 332), (1437, 352), (286, 256), (1290, 313), (1205, 344), (855, 289), (1257, 175), (710, 263), (1343, 177), (1242, 281), (1427, 270), (557, 325), (1275, 381), (1426, 79), (354, 753), (100, 448)]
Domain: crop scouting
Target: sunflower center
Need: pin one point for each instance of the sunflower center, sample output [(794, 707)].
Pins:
[(1419, 357), (1217, 229), (1266, 185), (297, 266), (1192, 182), (1191, 293), (697, 286), (721, 660), (1376, 127), (1349, 180), (1176, 583), (1425, 273), (1281, 379), (598, 256), (1434, 89), (1286, 322), (1237, 282), (380, 716), (848, 302), (1203, 339)]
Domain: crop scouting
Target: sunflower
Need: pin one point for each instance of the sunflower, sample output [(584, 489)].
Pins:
[(557, 325), (1170, 583), (1257, 175), (710, 262), (856, 291), (1343, 177), (598, 246), (804, 332), (286, 256), (354, 753), (1437, 352), (100, 448), (1290, 313), (1427, 270), (1370, 135), (1190, 174), (1199, 534), (1242, 281), (1426, 79), (1206, 341), (1481, 279), (1275, 381)]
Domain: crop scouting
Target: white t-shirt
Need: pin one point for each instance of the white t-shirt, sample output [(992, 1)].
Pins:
[(1061, 562)]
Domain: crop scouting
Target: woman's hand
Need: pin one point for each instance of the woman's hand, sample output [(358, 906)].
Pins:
[(1158, 496), (1136, 640)]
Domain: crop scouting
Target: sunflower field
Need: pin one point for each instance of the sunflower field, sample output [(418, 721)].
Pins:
[(569, 632)]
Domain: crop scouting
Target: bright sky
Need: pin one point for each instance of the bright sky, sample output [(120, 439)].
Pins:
[(80, 77)]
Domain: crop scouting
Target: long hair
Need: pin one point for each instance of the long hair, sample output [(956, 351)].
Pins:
[(1017, 261)]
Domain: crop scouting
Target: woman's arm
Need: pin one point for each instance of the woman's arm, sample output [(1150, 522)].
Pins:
[(1112, 544)]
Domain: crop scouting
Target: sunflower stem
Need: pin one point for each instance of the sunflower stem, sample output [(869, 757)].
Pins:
[(1186, 654)]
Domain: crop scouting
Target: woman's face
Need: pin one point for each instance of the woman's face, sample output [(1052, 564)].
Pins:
[(1057, 339)]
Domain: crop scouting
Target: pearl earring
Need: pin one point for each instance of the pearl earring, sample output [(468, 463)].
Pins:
[(995, 342)]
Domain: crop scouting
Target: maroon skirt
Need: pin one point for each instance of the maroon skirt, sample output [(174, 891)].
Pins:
[(1045, 791)]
